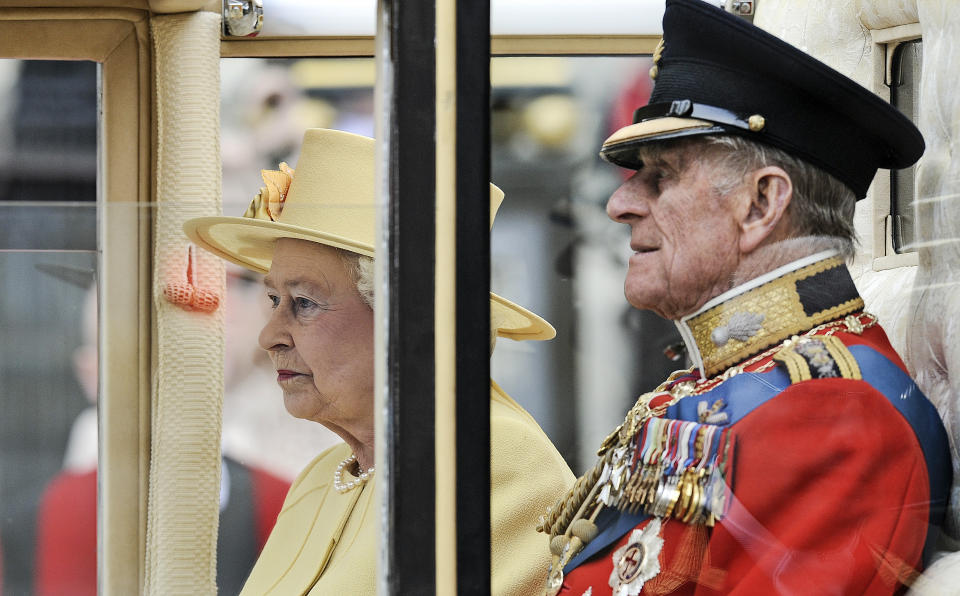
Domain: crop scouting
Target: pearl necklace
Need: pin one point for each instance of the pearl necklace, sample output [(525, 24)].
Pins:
[(343, 487)]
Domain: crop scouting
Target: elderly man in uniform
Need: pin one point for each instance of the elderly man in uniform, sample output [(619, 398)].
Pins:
[(796, 456)]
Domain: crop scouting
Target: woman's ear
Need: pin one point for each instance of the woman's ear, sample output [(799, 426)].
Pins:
[(770, 191)]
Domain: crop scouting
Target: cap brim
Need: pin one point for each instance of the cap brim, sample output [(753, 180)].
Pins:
[(249, 243), (619, 147)]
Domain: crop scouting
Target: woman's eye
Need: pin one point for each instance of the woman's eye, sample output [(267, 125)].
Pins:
[(304, 303)]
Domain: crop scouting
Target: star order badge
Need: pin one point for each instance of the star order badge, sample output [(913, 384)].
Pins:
[(638, 561)]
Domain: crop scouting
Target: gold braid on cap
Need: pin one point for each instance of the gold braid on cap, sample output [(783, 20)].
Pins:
[(657, 53)]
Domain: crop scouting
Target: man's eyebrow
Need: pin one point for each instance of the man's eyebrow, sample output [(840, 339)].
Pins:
[(675, 164), (671, 160)]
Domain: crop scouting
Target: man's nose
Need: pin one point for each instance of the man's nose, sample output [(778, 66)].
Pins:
[(627, 201)]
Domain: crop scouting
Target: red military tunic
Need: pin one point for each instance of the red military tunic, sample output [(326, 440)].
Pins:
[(835, 467)]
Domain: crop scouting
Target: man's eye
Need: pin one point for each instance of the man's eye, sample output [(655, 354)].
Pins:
[(656, 177), (274, 300)]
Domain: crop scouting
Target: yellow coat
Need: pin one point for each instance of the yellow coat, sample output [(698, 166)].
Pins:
[(325, 542)]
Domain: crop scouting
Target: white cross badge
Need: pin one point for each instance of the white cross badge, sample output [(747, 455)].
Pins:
[(638, 561)]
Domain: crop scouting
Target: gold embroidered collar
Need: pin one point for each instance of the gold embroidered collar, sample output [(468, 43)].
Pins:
[(767, 310)]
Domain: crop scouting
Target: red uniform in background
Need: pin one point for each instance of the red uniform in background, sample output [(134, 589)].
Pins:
[(66, 558), (67, 536)]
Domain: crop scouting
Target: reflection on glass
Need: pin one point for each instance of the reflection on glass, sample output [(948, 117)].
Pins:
[(905, 95), (48, 380), (555, 249), (262, 126), (48, 360), (48, 420), (552, 248)]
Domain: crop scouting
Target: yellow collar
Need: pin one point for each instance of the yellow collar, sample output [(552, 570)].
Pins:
[(767, 310)]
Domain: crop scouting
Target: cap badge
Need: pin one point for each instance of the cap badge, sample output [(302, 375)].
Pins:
[(680, 108), (756, 122)]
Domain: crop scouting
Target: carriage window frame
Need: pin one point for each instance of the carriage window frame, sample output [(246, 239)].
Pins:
[(905, 96), (117, 39), (362, 46), (887, 252)]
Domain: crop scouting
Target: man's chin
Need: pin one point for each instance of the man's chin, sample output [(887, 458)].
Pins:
[(654, 302), (641, 301)]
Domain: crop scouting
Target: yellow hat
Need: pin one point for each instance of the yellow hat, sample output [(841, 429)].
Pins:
[(330, 200)]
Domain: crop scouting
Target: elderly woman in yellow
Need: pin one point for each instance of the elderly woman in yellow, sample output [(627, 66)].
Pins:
[(315, 240)]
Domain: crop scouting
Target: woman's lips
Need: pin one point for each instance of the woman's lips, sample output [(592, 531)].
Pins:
[(287, 375)]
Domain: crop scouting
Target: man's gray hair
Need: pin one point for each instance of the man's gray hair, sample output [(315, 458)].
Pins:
[(821, 204)]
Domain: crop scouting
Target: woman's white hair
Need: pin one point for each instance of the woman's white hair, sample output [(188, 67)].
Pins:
[(360, 270)]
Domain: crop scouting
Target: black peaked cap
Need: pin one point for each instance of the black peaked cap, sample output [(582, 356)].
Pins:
[(719, 74)]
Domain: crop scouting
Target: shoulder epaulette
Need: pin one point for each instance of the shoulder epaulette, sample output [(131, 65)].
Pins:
[(818, 357)]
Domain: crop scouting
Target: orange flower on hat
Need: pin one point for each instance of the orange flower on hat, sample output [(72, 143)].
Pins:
[(269, 200)]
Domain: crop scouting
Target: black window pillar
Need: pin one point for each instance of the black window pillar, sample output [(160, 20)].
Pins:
[(406, 82), (407, 52)]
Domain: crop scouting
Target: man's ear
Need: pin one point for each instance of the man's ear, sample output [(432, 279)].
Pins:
[(770, 191)]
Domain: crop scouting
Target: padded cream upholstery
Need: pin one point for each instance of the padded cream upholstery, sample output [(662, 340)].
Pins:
[(838, 37), (155, 6), (933, 348), (923, 324), (883, 14), (188, 378)]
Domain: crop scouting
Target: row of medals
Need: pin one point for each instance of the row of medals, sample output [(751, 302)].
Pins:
[(673, 468), (638, 474)]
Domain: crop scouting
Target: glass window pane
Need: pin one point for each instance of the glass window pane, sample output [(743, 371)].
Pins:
[(262, 125), (555, 251), (552, 247), (48, 310), (265, 107)]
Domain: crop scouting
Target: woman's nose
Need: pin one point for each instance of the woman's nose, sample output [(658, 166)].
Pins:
[(274, 336)]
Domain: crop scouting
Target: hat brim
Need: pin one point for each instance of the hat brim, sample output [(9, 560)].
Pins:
[(515, 322), (249, 243), (619, 148)]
